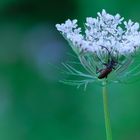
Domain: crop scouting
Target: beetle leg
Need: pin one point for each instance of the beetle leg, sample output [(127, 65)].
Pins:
[(97, 70), (100, 60), (105, 64)]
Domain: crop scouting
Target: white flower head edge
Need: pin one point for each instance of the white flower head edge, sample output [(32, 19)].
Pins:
[(105, 30)]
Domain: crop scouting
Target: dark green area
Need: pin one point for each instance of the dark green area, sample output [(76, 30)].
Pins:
[(33, 104)]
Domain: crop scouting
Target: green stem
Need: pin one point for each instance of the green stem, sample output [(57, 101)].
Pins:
[(106, 112)]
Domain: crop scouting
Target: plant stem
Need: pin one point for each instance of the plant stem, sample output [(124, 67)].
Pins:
[(106, 112)]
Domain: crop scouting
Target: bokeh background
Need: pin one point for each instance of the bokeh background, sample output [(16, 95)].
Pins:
[(33, 104)]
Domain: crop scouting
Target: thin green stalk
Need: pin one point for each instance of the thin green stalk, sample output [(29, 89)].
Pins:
[(106, 112)]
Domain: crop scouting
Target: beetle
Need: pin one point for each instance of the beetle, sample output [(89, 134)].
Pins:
[(109, 66)]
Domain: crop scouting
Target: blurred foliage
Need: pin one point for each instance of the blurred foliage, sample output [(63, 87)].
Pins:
[(33, 104)]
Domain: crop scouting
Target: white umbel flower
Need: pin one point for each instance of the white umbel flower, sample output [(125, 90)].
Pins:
[(105, 30), (108, 40)]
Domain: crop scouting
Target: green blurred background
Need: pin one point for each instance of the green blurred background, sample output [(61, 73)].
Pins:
[(33, 104)]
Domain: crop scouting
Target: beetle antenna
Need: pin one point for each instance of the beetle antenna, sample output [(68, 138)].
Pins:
[(106, 49)]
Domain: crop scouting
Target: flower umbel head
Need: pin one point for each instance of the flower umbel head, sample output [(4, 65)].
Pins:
[(107, 47)]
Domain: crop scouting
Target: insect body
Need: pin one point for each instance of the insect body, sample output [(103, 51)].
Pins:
[(109, 66), (107, 70)]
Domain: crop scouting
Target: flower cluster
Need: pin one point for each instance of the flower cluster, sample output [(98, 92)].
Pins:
[(105, 30), (107, 44)]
